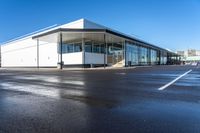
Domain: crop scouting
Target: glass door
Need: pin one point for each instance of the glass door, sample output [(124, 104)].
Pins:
[(117, 54)]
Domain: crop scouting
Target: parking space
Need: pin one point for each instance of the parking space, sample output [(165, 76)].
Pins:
[(123, 100)]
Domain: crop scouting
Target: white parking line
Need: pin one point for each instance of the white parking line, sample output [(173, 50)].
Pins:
[(173, 81)]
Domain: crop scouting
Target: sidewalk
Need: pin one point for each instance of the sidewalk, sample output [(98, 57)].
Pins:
[(69, 69)]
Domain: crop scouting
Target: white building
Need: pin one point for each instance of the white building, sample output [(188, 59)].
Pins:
[(190, 56), (82, 44)]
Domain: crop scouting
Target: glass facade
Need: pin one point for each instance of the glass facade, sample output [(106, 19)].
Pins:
[(143, 56), (135, 54), (119, 53), (71, 47), (172, 59), (90, 46), (94, 47), (163, 58), (132, 54), (154, 57), (115, 53), (139, 55)]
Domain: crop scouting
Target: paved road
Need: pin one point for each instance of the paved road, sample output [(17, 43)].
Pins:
[(100, 101)]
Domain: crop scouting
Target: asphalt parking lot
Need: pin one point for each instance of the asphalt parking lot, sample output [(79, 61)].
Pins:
[(163, 99)]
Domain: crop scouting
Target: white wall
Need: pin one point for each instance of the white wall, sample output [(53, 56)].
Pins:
[(19, 53), (91, 25), (23, 53), (82, 24), (48, 56), (94, 58), (72, 58), (74, 25)]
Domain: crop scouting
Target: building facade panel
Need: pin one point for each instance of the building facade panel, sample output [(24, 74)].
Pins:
[(94, 58), (73, 58), (47, 54), (20, 53)]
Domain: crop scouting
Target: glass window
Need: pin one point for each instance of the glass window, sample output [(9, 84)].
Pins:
[(143, 56), (88, 46), (131, 54), (163, 58), (77, 47), (153, 56), (94, 47), (102, 48), (69, 48), (109, 48)]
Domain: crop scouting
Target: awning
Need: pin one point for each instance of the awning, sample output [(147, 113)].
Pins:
[(69, 35)]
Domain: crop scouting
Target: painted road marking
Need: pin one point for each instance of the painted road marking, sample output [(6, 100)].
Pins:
[(120, 73), (173, 81)]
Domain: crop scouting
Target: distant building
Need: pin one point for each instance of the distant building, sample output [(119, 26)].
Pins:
[(193, 59), (181, 53), (190, 56), (191, 52), (198, 52)]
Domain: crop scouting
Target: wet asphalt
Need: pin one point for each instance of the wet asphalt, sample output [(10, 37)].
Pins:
[(100, 101)]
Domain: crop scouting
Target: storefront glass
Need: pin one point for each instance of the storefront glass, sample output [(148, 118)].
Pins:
[(131, 54)]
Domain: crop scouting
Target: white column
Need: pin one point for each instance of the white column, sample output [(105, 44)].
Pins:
[(83, 52)]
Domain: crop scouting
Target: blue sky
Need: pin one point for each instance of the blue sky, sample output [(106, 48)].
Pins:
[(173, 24)]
